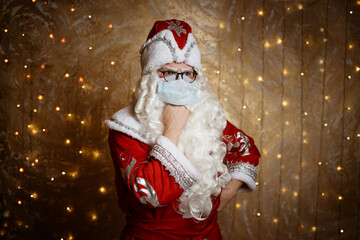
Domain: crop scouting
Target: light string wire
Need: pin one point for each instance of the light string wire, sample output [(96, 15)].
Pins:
[(242, 65), (301, 116), (343, 113), (262, 112), (242, 87), (281, 114), (321, 122)]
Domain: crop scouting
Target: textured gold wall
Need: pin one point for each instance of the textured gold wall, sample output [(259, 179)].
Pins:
[(286, 72)]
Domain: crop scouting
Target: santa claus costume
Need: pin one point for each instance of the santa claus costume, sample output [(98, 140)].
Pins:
[(170, 191)]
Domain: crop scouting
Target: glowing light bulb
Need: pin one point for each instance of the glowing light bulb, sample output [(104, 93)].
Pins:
[(275, 220), (239, 49), (283, 190), (278, 156), (6, 60), (63, 40), (319, 163), (287, 123), (34, 195), (325, 124), (63, 173), (327, 97), (351, 12), (305, 113), (244, 107), (19, 202), (69, 115), (267, 44), (68, 209), (5, 30), (52, 179), (57, 109), (21, 169), (349, 77), (110, 26), (90, 48), (285, 103), (106, 88), (80, 151), (242, 18), (300, 7), (67, 75), (260, 79), (323, 194), (313, 229), (295, 194), (93, 217), (112, 62), (40, 97), (302, 74), (81, 80), (16, 133), (72, 9), (357, 68), (102, 189), (339, 168), (89, 16), (36, 160), (42, 66), (279, 41), (222, 25), (258, 214), (18, 105), (340, 198), (351, 46), (51, 36), (82, 122), (238, 205), (67, 141), (261, 13)]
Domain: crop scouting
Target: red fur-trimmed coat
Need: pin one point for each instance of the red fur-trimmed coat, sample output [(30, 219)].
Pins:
[(150, 179)]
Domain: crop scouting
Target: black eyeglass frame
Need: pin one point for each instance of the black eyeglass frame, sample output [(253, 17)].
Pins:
[(181, 74)]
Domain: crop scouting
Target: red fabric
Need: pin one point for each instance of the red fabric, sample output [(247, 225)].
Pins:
[(179, 29), (145, 221)]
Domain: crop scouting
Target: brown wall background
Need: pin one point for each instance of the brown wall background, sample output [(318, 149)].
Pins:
[(286, 72)]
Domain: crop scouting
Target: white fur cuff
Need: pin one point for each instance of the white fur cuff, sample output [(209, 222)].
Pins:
[(175, 162)]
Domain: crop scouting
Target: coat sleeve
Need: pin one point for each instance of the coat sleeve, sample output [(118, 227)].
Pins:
[(242, 156), (155, 175)]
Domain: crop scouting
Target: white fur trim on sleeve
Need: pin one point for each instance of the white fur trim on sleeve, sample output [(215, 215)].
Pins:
[(175, 162), (244, 172)]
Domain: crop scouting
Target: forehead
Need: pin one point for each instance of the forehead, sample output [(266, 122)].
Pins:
[(178, 66)]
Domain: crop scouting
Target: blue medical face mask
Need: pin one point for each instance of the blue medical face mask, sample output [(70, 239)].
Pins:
[(178, 92)]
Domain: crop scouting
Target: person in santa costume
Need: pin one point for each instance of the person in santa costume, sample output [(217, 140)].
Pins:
[(177, 159)]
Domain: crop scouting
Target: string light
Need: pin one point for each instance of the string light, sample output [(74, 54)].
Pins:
[(313, 229), (90, 48), (89, 16), (278, 156), (258, 214), (261, 13), (340, 198), (102, 189), (42, 66), (63, 40), (357, 69), (267, 44), (110, 26), (222, 25), (300, 7), (81, 79), (16, 133), (93, 217), (57, 108), (67, 141), (339, 168), (72, 9), (6, 60), (242, 18), (260, 79), (238, 205), (285, 103), (279, 41), (51, 36), (67, 75), (275, 220), (112, 63), (19, 202), (239, 49), (40, 97), (5, 30), (21, 169)]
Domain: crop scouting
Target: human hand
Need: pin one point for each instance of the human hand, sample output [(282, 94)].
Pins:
[(229, 192), (174, 119)]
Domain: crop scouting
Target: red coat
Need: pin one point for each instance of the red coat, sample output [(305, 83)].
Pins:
[(149, 180)]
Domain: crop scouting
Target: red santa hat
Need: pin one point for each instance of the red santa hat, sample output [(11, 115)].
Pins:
[(170, 41)]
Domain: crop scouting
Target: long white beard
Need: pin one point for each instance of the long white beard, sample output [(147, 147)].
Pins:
[(200, 141)]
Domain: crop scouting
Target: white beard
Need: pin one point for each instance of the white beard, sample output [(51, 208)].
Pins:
[(200, 141)]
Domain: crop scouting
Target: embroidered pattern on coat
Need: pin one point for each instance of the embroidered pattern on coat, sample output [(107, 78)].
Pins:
[(243, 167), (173, 166)]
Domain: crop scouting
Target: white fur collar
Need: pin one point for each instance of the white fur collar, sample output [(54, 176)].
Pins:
[(125, 121)]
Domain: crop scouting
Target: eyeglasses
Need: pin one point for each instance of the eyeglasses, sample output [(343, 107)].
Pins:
[(171, 76)]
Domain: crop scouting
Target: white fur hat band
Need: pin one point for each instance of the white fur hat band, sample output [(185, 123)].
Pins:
[(170, 41)]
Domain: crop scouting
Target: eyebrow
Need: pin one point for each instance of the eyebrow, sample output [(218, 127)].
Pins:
[(175, 69)]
